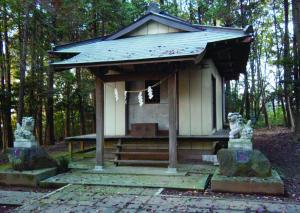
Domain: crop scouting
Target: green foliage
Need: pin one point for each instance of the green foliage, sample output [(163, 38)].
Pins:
[(275, 120), (63, 164)]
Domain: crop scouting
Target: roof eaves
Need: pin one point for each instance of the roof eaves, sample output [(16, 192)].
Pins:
[(122, 62)]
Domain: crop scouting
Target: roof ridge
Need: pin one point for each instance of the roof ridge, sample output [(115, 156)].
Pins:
[(174, 17), (217, 27)]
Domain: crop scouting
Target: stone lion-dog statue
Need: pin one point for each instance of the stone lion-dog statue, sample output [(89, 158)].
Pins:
[(238, 129)]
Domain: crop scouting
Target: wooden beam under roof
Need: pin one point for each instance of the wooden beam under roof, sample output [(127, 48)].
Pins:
[(134, 76)]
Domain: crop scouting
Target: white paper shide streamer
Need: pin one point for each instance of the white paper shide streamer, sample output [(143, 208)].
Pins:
[(125, 97), (116, 94), (150, 92), (140, 98)]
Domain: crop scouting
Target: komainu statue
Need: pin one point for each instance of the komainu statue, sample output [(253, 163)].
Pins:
[(235, 124), (237, 127), (240, 160), (26, 154), (247, 132), (241, 134), (24, 132)]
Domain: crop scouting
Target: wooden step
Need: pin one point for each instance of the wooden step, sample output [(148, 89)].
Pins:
[(139, 146), (141, 153), (141, 161)]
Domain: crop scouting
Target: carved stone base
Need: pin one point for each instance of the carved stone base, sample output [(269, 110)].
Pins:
[(243, 144)]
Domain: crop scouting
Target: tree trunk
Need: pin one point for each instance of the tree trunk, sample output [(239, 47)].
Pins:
[(80, 103), (67, 111), (39, 123), (278, 72), (287, 72), (267, 124), (2, 90), (6, 105), (199, 15), (227, 99), (242, 13), (39, 97), (246, 97), (283, 110), (49, 133), (252, 89), (296, 27), (1, 134), (273, 107), (23, 56), (291, 114)]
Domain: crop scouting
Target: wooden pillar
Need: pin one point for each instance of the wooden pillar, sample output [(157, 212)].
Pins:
[(172, 97), (99, 124)]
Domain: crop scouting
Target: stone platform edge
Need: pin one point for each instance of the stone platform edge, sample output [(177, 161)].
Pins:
[(25, 178), (270, 185)]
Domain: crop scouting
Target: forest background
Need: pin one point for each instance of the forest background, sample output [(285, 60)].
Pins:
[(63, 103)]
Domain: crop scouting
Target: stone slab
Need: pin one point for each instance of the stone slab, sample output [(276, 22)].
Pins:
[(18, 197), (25, 178), (195, 181), (24, 144), (131, 170), (270, 185), (244, 144), (87, 198)]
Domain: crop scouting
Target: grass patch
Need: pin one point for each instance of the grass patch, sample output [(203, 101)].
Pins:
[(5, 166)]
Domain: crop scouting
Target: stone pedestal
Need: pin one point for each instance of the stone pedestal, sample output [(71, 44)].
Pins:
[(244, 163), (267, 185), (240, 143), (23, 158), (24, 144), (25, 178)]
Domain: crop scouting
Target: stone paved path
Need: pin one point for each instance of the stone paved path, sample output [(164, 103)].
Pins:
[(192, 181), (85, 198), (17, 197)]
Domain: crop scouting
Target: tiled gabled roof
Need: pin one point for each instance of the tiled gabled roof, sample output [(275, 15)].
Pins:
[(157, 46), (117, 48)]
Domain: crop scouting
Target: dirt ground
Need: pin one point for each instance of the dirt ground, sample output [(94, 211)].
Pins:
[(284, 153), (276, 143)]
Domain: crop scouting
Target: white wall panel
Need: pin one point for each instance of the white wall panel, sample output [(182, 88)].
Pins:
[(114, 118)]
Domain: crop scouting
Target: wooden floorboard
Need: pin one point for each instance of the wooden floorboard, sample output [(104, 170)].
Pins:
[(92, 138), (141, 153)]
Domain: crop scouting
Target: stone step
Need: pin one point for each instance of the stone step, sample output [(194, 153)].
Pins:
[(141, 153), (151, 162)]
